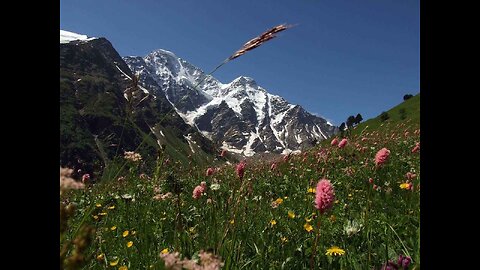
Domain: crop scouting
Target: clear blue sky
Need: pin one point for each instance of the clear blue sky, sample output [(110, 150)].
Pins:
[(342, 58)]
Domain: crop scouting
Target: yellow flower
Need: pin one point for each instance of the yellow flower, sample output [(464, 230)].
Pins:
[(123, 267), (114, 262), (311, 190), (284, 239), (404, 186), (95, 217), (101, 256), (129, 244), (279, 201), (335, 251), (98, 205), (309, 219), (125, 233), (291, 214), (308, 227), (113, 228), (273, 222), (102, 214), (111, 207), (286, 197), (232, 221), (164, 251)]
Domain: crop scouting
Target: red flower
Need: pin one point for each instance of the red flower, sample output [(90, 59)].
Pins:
[(240, 169), (210, 171), (274, 166)]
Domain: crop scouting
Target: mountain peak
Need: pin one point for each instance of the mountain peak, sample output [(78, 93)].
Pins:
[(244, 79), (241, 115), (67, 36), (164, 52)]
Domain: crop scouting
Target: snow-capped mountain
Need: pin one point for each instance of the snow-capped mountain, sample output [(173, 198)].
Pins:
[(241, 116)]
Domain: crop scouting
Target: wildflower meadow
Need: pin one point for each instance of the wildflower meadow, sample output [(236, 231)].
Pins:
[(351, 202)]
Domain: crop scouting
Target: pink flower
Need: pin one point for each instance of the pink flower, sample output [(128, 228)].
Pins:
[(210, 171), (223, 153), (370, 180), (342, 143), (240, 169), (324, 196), (334, 142), (274, 166), (382, 156), (416, 148), (85, 178), (197, 192), (364, 139), (286, 157)]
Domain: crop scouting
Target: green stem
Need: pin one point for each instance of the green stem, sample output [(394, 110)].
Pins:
[(314, 251)]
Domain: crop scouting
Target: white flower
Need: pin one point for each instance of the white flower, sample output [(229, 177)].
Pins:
[(352, 227), (215, 187)]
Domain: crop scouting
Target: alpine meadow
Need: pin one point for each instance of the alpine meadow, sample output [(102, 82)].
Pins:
[(164, 166)]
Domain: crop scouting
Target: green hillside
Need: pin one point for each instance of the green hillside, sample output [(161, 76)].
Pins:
[(407, 112)]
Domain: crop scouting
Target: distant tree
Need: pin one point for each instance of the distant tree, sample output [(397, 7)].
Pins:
[(350, 121), (358, 119), (407, 96), (403, 113), (384, 116)]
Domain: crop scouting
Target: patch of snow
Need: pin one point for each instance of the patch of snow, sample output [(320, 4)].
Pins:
[(289, 151), (67, 36), (190, 142), (248, 151), (229, 148), (319, 129)]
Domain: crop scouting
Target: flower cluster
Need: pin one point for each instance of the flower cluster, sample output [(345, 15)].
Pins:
[(197, 192), (208, 261), (324, 195), (66, 182), (132, 156)]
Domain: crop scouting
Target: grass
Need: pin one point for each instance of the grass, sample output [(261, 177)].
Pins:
[(411, 108), (240, 221)]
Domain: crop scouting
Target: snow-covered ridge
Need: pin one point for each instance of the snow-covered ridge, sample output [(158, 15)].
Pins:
[(67, 36)]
